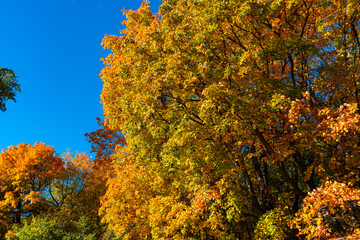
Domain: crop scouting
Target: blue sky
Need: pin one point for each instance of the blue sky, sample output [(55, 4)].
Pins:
[(54, 48)]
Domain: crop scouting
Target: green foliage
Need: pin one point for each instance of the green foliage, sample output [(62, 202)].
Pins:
[(273, 225), (8, 86), (45, 228), (86, 229), (37, 229)]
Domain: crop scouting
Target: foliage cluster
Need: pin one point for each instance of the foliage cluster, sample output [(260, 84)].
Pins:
[(45, 196), (8, 86)]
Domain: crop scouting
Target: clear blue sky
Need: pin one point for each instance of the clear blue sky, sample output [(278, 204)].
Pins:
[(54, 48)]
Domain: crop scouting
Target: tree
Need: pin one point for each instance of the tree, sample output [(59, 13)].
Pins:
[(76, 195), (8, 86), (65, 192), (236, 108), (26, 173), (331, 211), (104, 141)]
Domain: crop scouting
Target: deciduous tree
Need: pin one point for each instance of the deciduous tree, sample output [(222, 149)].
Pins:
[(331, 211), (8, 86), (26, 173), (239, 108), (104, 141), (76, 194)]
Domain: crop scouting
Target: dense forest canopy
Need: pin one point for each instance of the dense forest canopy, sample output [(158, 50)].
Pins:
[(224, 119)]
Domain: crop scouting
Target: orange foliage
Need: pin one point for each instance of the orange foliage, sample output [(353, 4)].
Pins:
[(331, 211), (104, 141), (26, 172), (235, 108)]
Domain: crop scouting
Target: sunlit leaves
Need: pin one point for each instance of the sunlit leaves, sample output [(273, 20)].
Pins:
[(236, 109), (330, 211), (273, 225), (27, 172)]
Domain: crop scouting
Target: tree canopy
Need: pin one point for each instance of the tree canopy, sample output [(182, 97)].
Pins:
[(26, 173), (232, 111)]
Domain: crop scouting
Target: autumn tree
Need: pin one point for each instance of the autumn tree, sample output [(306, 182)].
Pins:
[(8, 86), (26, 173), (104, 141), (237, 109), (75, 196), (331, 211), (64, 203), (64, 193)]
